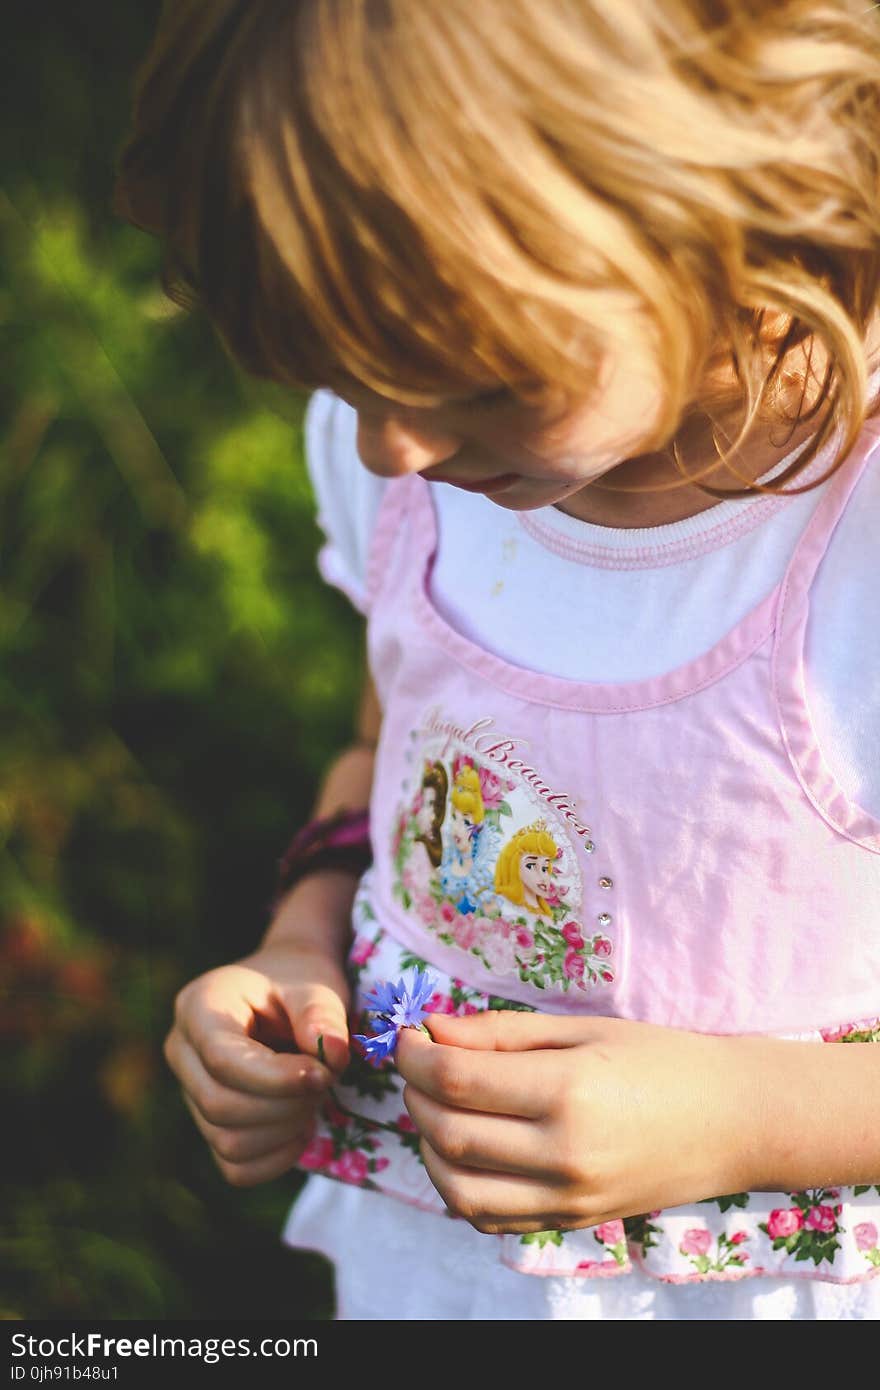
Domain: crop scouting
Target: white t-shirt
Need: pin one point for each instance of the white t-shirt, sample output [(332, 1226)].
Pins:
[(568, 598)]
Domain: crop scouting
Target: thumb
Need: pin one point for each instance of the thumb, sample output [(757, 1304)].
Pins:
[(318, 1012)]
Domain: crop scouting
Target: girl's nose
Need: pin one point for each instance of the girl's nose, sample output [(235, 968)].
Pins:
[(392, 447)]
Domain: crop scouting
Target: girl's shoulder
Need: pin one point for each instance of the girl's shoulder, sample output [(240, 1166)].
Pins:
[(347, 494)]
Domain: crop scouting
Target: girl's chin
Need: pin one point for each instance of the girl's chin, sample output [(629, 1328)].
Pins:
[(530, 493)]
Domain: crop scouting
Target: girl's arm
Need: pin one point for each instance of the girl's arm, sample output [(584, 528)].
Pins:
[(326, 897), (816, 1114)]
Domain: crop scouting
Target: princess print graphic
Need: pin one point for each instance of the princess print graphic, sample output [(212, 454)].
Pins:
[(485, 856)]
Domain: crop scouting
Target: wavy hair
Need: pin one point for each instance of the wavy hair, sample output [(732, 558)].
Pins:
[(435, 195), (435, 777)]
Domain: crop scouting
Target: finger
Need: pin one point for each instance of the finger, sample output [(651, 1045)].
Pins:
[(494, 1143), (310, 1019), (258, 1170), (508, 1030), (318, 1012), (492, 1202), (245, 1145), (223, 1105), (239, 1063), (494, 1082), (218, 1014)]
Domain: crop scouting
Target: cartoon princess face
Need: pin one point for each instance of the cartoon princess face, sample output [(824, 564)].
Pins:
[(461, 829), (536, 876), (524, 873)]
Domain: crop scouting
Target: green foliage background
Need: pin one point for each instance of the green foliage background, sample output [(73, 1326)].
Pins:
[(174, 677)]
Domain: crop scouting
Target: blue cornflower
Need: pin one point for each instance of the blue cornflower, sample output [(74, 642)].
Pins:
[(381, 998), (377, 1048), (395, 1006)]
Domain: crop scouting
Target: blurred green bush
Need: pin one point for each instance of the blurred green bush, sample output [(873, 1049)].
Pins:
[(173, 679)]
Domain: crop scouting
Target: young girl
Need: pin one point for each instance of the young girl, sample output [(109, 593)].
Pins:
[(588, 296)]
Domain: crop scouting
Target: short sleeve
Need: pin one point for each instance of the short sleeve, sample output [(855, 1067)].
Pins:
[(348, 496)]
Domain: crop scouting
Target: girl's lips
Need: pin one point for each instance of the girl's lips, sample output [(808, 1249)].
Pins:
[(496, 484)]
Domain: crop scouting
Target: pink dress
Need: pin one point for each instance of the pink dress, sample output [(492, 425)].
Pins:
[(698, 867)]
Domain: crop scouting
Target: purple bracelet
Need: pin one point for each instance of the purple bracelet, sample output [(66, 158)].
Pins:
[(340, 841)]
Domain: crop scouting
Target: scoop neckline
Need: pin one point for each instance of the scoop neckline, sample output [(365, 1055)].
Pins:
[(654, 547), (564, 692)]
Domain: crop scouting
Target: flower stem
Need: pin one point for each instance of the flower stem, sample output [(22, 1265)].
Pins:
[(352, 1114)]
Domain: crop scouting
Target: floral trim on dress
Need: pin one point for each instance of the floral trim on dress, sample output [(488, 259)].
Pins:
[(728, 1254), (595, 1251), (867, 1241), (852, 1033), (809, 1228)]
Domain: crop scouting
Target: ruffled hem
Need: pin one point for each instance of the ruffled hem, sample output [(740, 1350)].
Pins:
[(690, 1246), (460, 1278)]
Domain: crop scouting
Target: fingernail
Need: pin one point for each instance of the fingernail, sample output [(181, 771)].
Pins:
[(316, 1080), (327, 1041)]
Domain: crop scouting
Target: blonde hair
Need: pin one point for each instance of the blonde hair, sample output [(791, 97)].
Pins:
[(508, 879), (467, 796), (427, 195)]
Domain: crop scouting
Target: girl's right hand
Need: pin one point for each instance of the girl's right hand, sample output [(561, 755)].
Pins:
[(244, 1047)]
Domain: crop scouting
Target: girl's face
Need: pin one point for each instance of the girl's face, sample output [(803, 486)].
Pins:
[(534, 870), (550, 454)]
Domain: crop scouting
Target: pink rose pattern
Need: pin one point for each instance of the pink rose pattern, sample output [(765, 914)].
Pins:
[(828, 1231), (612, 1237), (721, 1254), (546, 950), (784, 1222), (696, 1242), (822, 1219), (808, 1229), (867, 1242), (348, 1149), (493, 788), (364, 945)]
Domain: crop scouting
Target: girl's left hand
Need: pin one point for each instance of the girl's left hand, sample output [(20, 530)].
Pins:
[(534, 1122)]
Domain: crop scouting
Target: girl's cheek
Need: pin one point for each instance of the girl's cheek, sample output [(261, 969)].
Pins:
[(573, 451), (574, 441)]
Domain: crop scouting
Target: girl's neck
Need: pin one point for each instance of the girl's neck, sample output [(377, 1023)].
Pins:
[(769, 445), (628, 511)]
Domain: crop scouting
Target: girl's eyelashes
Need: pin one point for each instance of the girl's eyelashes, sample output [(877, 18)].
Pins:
[(487, 400), (361, 397), (503, 396)]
